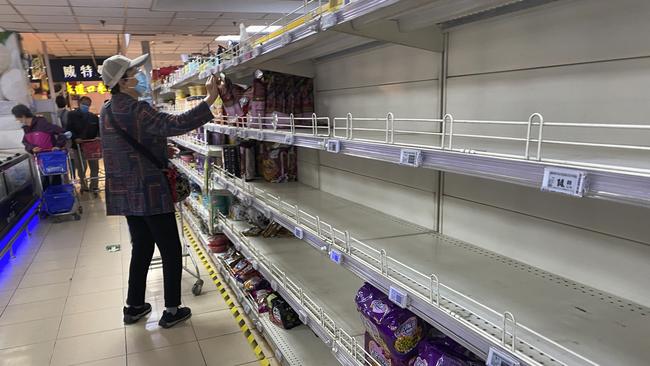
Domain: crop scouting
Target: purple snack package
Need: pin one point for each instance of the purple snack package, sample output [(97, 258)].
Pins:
[(432, 354), (394, 329)]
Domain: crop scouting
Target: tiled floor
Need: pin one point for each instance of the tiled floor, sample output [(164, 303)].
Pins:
[(61, 303)]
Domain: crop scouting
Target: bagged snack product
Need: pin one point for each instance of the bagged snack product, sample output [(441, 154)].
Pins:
[(278, 162), (256, 283), (260, 298), (280, 313), (431, 353), (394, 329)]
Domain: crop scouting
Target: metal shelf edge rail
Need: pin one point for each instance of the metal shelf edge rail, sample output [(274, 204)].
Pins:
[(193, 174), (616, 183), (428, 296), (194, 144), (344, 346)]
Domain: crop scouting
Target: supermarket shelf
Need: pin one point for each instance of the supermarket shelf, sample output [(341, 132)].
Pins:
[(195, 221), (196, 145), (616, 174), (334, 319), (194, 175), (574, 319), (296, 346)]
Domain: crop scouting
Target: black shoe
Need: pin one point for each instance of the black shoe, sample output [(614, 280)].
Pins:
[(132, 315), (168, 320)]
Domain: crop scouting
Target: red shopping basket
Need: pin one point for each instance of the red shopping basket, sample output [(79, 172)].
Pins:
[(91, 149)]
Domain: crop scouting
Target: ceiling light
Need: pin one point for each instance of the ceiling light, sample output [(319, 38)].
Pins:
[(227, 38), (262, 28)]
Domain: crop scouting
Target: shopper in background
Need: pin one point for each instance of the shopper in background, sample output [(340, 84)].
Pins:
[(137, 188), (84, 125), (62, 111), (40, 135)]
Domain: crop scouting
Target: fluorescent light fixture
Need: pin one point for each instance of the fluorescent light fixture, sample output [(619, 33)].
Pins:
[(262, 28), (228, 38)]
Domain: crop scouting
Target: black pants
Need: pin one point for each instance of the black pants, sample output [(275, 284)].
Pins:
[(145, 231)]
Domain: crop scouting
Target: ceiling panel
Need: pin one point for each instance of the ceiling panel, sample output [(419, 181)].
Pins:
[(192, 21), (49, 27), (41, 2), (71, 36), (146, 13), (19, 27), (199, 15), (93, 12), (147, 21), (6, 9), (35, 19), (239, 16), (222, 29), (102, 28), (95, 20), (10, 18), (140, 4), (44, 10), (99, 3)]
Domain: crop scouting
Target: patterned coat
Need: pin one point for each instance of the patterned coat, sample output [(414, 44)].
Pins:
[(134, 185)]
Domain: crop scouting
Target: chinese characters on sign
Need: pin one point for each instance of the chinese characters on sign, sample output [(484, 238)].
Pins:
[(76, 69), (81, 89)]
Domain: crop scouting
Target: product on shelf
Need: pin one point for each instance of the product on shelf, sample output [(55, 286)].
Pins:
[(247, 160), (278, 162), (395, 330), (219, 243), (258, 104), (397, 337), (260, 298), (231, 160), (281, 313)]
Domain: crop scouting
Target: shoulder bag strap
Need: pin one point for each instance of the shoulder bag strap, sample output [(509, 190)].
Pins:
[(132, 141)]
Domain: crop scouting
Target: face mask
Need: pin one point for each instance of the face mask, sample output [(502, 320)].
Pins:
[(84, 108), (143, 87)]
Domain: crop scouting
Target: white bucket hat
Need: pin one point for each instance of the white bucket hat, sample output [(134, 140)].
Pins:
[(114, 67)]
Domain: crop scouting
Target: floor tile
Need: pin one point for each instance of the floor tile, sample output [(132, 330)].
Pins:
[(93, 285), (46, 278), (231, 349), (89, 347), (142, 336), (32, 355), (91, 322), (32, 311), (22, 334), (188, 354), (5, 296), (97, 271), (205, 303), (114, 361), (40, 293), (214, 324), (95, 301), (272, 362), (53, 265)]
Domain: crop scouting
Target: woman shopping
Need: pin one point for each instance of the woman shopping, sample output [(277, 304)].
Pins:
[(134, 140)]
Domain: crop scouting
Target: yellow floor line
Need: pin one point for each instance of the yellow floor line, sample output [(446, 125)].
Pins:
[(241, 322)]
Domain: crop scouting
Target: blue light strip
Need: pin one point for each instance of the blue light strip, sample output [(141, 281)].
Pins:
[(28, 215)]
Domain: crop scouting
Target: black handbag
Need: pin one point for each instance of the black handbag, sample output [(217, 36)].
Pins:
[(179, 184)]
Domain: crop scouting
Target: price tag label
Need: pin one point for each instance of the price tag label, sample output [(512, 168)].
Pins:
[(240, 133), (274, 285), (256, 51), (566, 181), (333, 146), (268, 214), (497, 357), (398, 296), (410, 157), (328, 21), (298, 233), (232, 131), (288, 139), (304, 318), (247, 309), (286, 38), (336, 256), (255, 265), (260, 135)]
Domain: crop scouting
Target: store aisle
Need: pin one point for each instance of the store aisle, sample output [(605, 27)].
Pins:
[(61, 304)]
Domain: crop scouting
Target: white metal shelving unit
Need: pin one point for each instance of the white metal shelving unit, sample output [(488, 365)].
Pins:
[(296, 346), (613, 171), (456, 285)]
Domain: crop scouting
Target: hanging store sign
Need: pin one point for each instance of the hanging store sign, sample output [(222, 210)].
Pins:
[(81, 89), (75, 69)]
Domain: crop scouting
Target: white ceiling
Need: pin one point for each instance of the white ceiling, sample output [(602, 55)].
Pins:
[(75, 27)]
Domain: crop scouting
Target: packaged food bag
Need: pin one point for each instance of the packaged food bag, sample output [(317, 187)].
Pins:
[(280, 313)]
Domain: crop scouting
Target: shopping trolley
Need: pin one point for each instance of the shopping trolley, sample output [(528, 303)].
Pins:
[(91, 151), (58, 199)]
